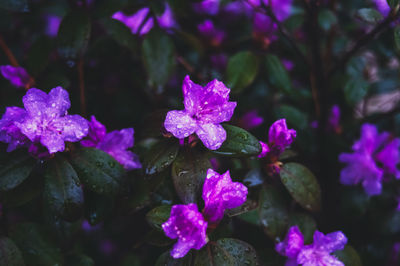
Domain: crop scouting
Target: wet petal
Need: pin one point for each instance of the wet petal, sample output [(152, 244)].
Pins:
[(17, 76), (53, 142), (211, 135), (72, 127), (180, 124), (35, 102), (58, 101)]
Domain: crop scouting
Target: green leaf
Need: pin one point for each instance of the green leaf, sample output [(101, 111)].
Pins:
[(326, 19), (120, 33), (158, 52), (369, 15), (249, 205), (158, 216), (393, 3), (158, 238), (348, 256), (241, 71), (97, 207), (15, 167), (306, 224), (166, 260), (160, 156), (36, 246), (293, 116), (73, 34), (98, 171), (79, 260), (397, 37), (62, 190), (277, 74), (189, 171), (302, 185), (9, 253), (273, 212), (355, 90), (226, 252), (15, 5), (239, 143)]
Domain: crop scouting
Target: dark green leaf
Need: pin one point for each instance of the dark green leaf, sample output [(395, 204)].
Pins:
[(239, 143), (241, 71), (227, 251), (79, 260), (369, 15), (120, 33), (355, 89), (189, 171), (302, 185), (73, 34), (277, 74), (158, 238), (35, 245), (98, 171), (326, 19), (158, 216), (62, 190), (158, 55), (249, 205), (252, 217), (97, 207), (306, 224), (273, 212), (160, 156), (9, 253), (293, 116), (166, 260), (348, 256), (14, 169), (15, 5)]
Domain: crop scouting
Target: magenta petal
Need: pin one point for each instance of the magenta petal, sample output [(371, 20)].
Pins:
[(73, 127), (97, 132), (191, 94), (53, 142), (264, 150), (220, 113), (188, 225), (220, 193), (312, 257), (180, 124), (330, 242), (35, 102), (9, 132), (211, 135), (292, 244), (279, 136), (17, 76), (58, 101), (389, 156)]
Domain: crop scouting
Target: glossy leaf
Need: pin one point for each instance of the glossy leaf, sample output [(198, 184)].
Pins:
[(302, 185), (348, 256), (189, 171), (97, 207), (9, 253), (62, 190), (98, 171), (241, 71), (158, 238), (158, 216), (36, 246), (73, 34), (120, 33), (273, 212), (158, 52), (160, 156), (239, 143), (355, 89), (15, 167), (369, 15), (226, 251), (277, 74)]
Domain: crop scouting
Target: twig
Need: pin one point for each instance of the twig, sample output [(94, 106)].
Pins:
[(8, 52), (188, 67), (362, 42), (82, 87)]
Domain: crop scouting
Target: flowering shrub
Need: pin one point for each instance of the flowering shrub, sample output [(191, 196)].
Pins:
[(205, 132)]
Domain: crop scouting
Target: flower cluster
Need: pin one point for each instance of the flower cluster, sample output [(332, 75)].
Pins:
[(279, 138), (315, 254), (205, 108), (189, 225), (374, 157)]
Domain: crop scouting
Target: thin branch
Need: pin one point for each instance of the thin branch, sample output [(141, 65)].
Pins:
[(364, 40), (188, 67), (82, 87)]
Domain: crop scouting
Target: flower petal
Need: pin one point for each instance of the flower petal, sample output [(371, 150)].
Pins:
[(211, 135), (35, 102), (72, 127), (52, 141), (180, 124), (58, 101)]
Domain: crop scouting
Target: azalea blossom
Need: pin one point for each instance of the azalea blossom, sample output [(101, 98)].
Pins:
[(374, 156), (205, 108), (279, 138), (115, 143), (17, 76)]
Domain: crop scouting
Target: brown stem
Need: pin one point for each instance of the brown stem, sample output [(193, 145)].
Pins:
[(188, 67), (8, 52), (82, 87)]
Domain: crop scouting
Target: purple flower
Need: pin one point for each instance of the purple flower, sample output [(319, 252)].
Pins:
[(318, 253), (280, 137), (383, 7), (264, 150), (288, 64), (220, 193), (139, 22), (53, 23), (205, 108), (212, 34), (115, 143), (263, 26), (281, 8), (166, 20), (44, 120), (334, 119), (369, 151), (17, 76), (188, 225), (210, 7), (250, 120)]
